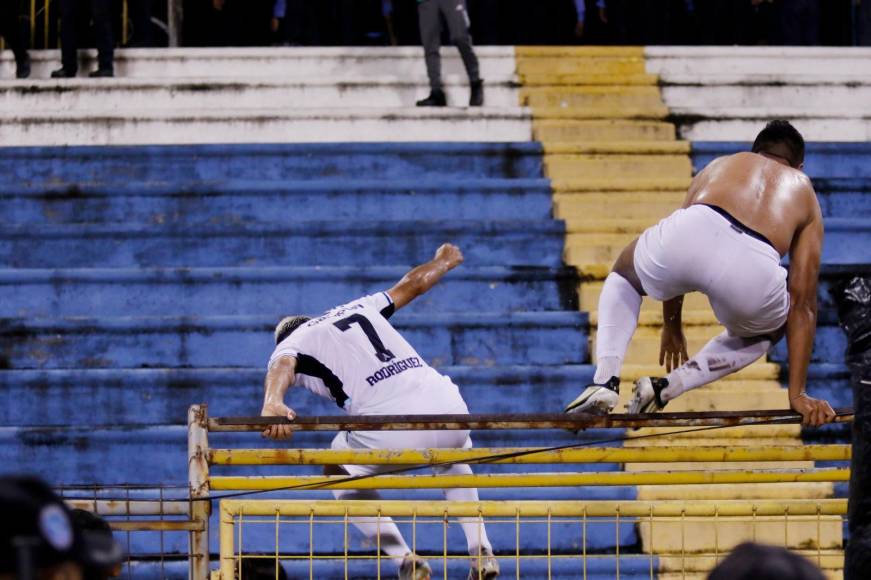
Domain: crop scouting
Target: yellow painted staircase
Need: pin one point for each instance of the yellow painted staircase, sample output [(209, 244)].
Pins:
[(617, 168)]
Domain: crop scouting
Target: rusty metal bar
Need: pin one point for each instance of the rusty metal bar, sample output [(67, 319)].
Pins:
[(529, 508), (198, 479), (135, 507), (157, 526), (528, 455), (608, 478), (515, 421)]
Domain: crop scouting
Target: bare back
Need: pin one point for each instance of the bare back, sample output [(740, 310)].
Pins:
[(765, 195)]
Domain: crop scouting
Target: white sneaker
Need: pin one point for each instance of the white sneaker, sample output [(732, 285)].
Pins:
[(646, 396), (414, 567), (596, 399), (484, 568)]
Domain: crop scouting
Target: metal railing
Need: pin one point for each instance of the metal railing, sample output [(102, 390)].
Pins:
[(731, 519), (428, 520)]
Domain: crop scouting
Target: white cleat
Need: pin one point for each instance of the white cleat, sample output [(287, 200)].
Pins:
[(414, 567), (596, 399), (646, 396), (484, 568)]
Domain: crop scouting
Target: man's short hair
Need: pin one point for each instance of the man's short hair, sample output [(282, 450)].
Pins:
[(780, 132), (288, 325)]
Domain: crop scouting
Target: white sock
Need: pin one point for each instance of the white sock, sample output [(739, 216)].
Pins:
[(473, 528), (391, 541), (723, 355), (619, 305)]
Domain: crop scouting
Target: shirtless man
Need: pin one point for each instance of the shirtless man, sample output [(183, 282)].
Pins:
[(741, 215), (353, 355)]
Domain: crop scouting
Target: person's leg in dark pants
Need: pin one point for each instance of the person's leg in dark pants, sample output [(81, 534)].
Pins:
[(101, 12), (10, 29), (429, 20), (69, 42), (141, 15), (457, 18)]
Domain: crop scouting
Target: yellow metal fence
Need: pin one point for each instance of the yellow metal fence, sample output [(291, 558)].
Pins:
[(551, 538)]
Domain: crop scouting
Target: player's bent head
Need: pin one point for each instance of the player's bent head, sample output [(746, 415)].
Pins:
[(781, 139), (287, 325)]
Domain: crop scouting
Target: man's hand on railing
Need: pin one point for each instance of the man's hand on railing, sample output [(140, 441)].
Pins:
[(278, 432)]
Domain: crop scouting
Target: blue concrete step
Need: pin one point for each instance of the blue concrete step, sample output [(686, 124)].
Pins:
[(484, 243), (102, 454), (844, 197), (299, 243), (277, 202), (822, 160), (568, 567), (230, 291), (486, 339), (830, 343), (291, 161), (565, 538), (161, 395)]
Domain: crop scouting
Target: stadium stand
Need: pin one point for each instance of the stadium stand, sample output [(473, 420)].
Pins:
[(158, 224)]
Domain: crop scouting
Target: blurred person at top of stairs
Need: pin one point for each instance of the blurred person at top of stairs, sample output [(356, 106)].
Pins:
[(430, 14)]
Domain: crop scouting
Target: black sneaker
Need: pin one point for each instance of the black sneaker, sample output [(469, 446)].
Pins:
[(596, 399), (646, 395), (63, 73), (436, 98), (22, 67), (102, 73), (476, 98)]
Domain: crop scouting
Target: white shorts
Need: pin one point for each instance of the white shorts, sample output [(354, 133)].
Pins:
[(397, 440), (697, 249), (441, 398)]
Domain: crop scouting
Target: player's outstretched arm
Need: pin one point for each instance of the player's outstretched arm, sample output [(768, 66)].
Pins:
[(419, 280), (278, 380), (801, 323)]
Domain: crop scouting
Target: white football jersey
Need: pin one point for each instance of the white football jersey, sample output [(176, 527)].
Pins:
[(353, 355)]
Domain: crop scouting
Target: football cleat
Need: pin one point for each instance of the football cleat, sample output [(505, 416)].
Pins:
[(414, 567), (646, 396), (596, 399), (485, 567)]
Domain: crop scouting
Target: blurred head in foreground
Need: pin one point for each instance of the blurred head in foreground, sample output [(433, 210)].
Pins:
[(40, 539), (751, 561)]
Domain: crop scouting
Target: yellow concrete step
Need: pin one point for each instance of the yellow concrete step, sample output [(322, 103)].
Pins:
[(744, 491), (603, 166), (589, 300), (562, 65), (649, 112), (758, 371), (550, 97), (599, 247), (716, 440), (574, 131), (625, 183), (653, 317), (829, 575), (717, 466), (648, 205), (595, 96), (733, 396), (749, 432), (831, 560), (702, 535), (644, 347), (587, 79), (528, 52), (619, 147)]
